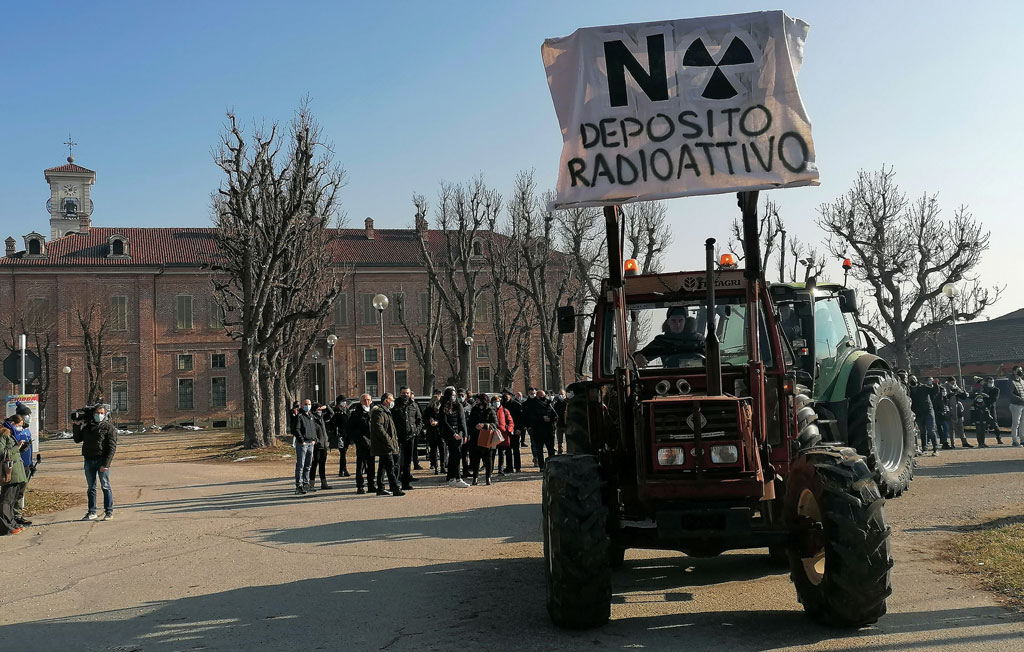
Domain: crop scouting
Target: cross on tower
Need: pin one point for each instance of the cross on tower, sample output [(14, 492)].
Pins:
[(70, 143)]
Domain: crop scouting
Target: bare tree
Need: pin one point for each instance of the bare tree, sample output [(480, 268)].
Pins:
[(647, 236), (37, 320), (582, 238), (510, 307), (772, 234), (272, 214), (905, 252), (94, 318), (424, 342), (549, 273), (456, 267)]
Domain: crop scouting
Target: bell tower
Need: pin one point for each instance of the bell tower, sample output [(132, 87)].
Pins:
[(70, 203)]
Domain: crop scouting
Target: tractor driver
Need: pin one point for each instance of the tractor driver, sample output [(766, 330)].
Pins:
[(678, 341)]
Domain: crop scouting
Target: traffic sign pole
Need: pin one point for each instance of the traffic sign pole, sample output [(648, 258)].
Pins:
[(23, 343)]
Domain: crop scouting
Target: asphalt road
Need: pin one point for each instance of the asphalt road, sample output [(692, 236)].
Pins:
[(223, 556)]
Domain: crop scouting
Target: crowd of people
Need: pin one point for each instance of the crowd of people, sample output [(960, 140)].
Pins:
[(942, 409), (462, 433)]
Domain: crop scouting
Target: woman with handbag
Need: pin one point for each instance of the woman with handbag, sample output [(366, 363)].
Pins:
[(482, 423), (506, 426)]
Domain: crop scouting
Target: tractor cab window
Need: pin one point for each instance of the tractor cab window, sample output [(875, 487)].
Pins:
[(831, 337), (670, 334)]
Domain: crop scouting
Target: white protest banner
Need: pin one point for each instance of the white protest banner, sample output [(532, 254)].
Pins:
[(31, 401), (681, 107)]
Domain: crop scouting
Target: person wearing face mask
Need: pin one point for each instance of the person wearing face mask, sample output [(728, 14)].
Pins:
[(924, 413), (1017, 406), (991, 395), (408, 422), (306, 433), (452, 428), (98, 438), (384, 444), (358, 432), (956, 412), (506, 426), (515, 411), (24, 437), (541, 417), (481, 418), (12, 474)]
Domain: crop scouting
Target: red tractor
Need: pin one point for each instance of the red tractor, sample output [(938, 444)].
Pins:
[(700, 441)]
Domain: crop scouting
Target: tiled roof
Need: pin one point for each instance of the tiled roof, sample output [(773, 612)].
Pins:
[(69, 167), (994, 340), (1016, 314), (187, 246)]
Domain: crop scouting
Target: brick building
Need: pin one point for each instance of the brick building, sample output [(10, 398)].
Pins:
[(991, 347), (166, 356)]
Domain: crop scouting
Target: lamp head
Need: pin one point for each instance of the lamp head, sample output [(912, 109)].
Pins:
[(380, 301), (951, 290), (332, 339)]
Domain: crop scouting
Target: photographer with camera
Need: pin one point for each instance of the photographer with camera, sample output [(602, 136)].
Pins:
[(12, 473), (98, 438)]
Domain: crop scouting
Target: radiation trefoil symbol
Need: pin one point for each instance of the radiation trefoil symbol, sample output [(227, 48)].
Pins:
[(718, 87)]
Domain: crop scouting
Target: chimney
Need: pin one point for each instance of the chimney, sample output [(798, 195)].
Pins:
[(10, 242), (369, 228), (84, 223), (421, 222)]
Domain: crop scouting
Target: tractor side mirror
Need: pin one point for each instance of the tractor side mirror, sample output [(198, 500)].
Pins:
[(566, 318), (848, 300), (869, 344)]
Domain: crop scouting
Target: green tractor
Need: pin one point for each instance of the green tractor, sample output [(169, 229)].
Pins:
[(848, 393)]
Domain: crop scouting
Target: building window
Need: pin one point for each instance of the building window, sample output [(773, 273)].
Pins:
[(397, 306), (218, 361), (183, 311), (117, 248), (483, 379), (119, 363), (119, 313), (424, 298), (369, 312), (219, 391), (372, 385), (216, 314), (119, 396), (34, 248), (341, 310), (478, 248), (483, 311), (185, 362), (401, 378), (186, 394), (483, 351), (398, 354), (370, 356)]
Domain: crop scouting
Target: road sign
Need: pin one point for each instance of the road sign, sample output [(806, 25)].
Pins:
[(12, 367)]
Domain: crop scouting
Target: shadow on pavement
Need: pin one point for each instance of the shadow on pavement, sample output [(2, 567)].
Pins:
[(968, 469), (511, 523), (469, 606)]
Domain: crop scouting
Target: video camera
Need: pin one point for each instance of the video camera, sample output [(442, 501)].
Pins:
[(85, 413)]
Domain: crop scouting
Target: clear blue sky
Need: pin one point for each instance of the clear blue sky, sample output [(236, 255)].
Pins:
[(413, 93)]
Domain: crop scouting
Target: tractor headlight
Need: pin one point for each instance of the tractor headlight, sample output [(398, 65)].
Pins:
[(682, 386), (724, 454), (672, 456), (662, 387)]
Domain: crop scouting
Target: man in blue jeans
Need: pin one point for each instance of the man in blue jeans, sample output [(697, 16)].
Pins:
[(98, 438), (305, 437)]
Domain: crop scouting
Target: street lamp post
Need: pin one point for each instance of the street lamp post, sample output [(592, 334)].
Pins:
[(67, 398), (332, 339), (316, 375), (380, 302), (469, 345), (952, 292)]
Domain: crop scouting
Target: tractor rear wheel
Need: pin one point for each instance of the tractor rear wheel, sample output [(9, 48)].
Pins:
[(840, 560), (576, 543), (881, 428), (577, 425)]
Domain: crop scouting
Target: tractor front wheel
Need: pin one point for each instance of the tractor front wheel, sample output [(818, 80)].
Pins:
[(576, 543), (881, 428), (840, 560)]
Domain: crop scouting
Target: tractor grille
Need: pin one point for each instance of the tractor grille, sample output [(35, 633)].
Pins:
[(678, 421)]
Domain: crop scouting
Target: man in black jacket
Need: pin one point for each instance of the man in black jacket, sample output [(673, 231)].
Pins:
[(336, 428), (357, 431), (408, 422), (322, 415), (305, 434), (541, 417), (98, 438), (924, 413)]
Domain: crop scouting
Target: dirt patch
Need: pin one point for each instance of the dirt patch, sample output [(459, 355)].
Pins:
[(236, 453), (43, 501), (993, 552)]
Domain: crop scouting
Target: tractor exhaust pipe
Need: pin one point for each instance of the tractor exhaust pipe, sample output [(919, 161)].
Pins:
[(713, 359)]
